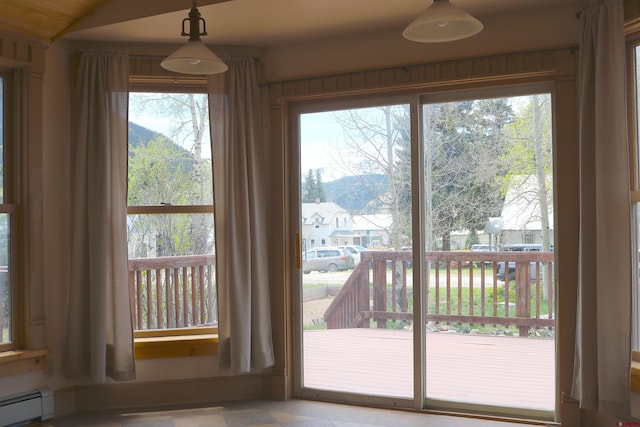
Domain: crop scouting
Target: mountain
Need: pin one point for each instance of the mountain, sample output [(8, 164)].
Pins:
[(354, 192), (140, 135)]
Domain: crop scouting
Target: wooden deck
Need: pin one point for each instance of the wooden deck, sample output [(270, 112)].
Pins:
[(480, 369)]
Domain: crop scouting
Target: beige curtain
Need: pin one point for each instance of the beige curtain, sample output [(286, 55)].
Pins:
[(99, 341), (601, 370), (240, 210)]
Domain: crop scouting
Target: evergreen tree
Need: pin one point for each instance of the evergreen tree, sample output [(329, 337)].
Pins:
[(321, 194), (313, 188)]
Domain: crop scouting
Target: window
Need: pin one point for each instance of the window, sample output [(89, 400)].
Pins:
[(8, 290), (170, 222), (634, 120)]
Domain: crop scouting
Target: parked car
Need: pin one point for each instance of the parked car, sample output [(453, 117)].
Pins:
[(327, 259), (482, 248), (519, 247), (354, 250)]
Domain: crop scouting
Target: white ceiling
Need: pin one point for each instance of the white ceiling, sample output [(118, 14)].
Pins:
[(274, 22)]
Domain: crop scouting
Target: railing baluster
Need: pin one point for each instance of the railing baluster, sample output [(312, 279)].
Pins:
[(470, 289), (159, 311), (538, 290), (459, 287), (437, 280), (506, 290), (139, 299), (176, 295), (495, 290), (394, 286), (149, 298), (194, 295), (185, 296), (483, 283), (201, 293), (132, 298), (550, 292), (167, 294), (211, 301), (448, 270)]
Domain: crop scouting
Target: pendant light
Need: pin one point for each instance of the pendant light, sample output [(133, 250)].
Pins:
[(194, 57), (442, 22)]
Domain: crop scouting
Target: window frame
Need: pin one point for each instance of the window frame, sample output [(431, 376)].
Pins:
[(633, 120), (176, 342), (9, 204), (24, 163)]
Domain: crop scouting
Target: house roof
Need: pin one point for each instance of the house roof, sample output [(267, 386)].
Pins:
[(326, 211), (371, 222)]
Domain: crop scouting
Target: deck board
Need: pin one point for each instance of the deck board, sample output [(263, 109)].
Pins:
[(479, 369)]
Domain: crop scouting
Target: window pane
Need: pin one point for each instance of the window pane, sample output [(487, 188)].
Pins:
[(169, 150), (5, 281), (488, 181), (356, 239), (152, 236), (635, 212), (6, 297), (2, 129)]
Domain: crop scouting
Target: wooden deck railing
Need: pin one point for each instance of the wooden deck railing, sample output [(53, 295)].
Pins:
[(463, 289), (173, 292)]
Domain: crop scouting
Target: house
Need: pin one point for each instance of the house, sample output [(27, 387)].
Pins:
[(520, 220), (532, 43), (327, 224), (323, 223), (371, 230)]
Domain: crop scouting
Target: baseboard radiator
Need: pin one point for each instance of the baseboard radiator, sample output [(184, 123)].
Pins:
[(36, 405)]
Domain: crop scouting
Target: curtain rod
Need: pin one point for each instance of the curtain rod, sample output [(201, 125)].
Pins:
[(160, 57), (404, 68)]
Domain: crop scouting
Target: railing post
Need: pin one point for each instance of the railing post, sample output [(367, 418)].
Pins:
[(380, 289), (523, 294), (363, 293)]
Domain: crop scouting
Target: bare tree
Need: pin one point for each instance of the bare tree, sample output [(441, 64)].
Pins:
[(372, 138)]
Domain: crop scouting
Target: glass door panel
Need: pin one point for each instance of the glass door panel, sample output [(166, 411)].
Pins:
[(355, 245), (490, 322)]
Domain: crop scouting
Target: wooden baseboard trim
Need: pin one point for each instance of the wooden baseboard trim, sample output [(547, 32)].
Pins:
[(156, 394)]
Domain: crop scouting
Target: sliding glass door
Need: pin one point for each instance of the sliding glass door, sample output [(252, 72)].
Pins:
[(438, 212)]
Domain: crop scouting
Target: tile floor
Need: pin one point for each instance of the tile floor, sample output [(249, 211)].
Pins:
[(294, 413)]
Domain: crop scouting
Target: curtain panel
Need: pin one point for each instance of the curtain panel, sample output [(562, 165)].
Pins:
[(244, 316), (99, 340), (602, 353)]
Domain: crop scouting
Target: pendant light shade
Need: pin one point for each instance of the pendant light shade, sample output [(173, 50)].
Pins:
[(442, 22), (194, 57)]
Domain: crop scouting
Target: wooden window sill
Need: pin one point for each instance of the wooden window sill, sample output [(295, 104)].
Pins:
[(17, 362), (157, 347)]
